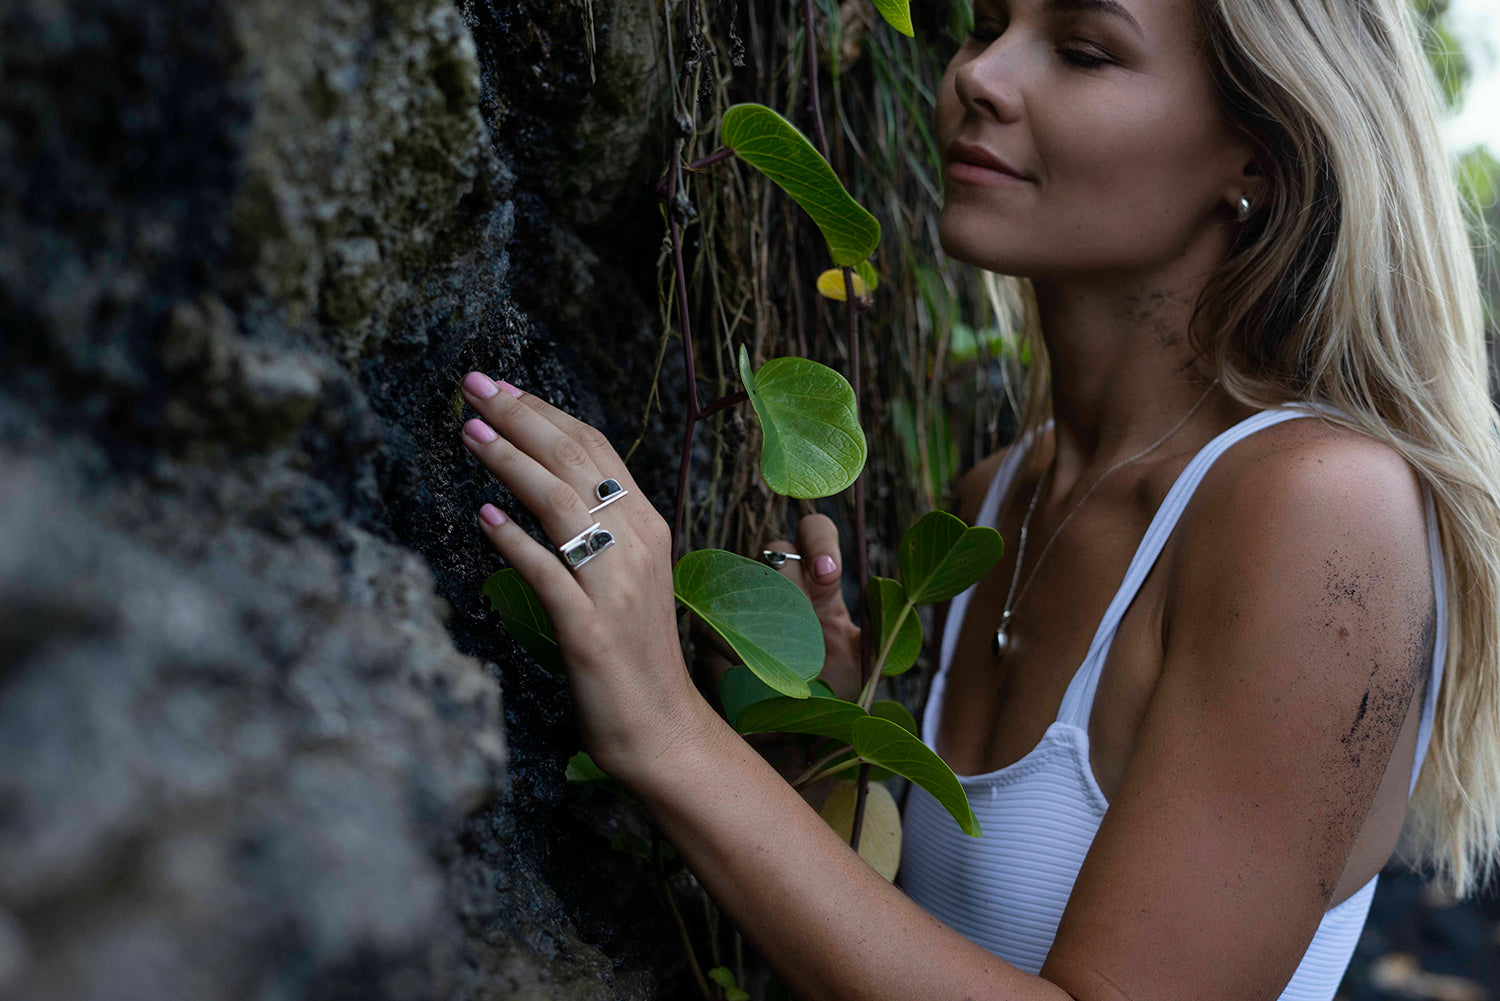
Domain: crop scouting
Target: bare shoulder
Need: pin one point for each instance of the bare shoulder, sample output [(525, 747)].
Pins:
[(1309, 481), (1317, 532), (969, 489)]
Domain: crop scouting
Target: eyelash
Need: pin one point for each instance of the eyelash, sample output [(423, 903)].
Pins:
[(1080, 58)]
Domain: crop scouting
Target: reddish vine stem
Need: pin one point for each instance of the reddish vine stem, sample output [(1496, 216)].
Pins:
[(851, 321), (739, 396), (689, 371)]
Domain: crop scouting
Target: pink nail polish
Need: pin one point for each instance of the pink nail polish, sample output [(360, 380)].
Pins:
[(491, 516), (823, 566), (512, 390), (480, 431), (478, 384)]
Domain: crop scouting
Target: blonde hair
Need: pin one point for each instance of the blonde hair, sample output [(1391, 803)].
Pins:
[(1353, 285)]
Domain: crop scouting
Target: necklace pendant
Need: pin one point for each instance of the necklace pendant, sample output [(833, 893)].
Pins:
[(1000, 644)]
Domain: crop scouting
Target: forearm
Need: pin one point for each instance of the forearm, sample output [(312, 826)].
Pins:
[(829, 925)]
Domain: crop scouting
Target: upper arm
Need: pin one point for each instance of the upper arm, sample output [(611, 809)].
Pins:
[(1298, 605)]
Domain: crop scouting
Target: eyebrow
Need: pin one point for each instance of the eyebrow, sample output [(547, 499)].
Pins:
[(1111, 7)]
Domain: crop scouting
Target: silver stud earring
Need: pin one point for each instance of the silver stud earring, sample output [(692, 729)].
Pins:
[(1242, 210)]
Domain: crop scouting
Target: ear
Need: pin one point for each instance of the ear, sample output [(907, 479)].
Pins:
[(1249, 183)]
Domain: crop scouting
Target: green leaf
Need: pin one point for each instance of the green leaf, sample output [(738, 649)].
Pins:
[(889, 745), (738, 688), (941, 556), (814, 446), (522, 616), (773, 146), (722, 976), (819, 716), (867, 272), (581, 768), (736, 994), (900, 628), (897, 14), (763, 616), (942, 447), (896, 713)]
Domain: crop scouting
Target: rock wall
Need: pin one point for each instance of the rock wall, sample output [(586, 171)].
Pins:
[(252, 742)]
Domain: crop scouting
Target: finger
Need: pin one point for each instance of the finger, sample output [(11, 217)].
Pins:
[(818, 542), (575, 451), (563, 455), (557, 504), (539, 566), (790, 569)]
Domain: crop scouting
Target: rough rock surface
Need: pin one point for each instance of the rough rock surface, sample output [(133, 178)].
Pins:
[(251, 735)]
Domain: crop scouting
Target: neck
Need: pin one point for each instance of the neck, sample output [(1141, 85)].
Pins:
[(1123, 371)]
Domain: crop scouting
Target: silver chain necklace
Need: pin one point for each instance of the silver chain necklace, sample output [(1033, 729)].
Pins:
[(1000, 644)]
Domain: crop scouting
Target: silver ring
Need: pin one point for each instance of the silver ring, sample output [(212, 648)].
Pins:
[(609, 498), (585, 546), (777, 558)]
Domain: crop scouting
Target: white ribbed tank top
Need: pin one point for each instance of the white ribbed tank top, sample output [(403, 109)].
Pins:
[(1007, 889)]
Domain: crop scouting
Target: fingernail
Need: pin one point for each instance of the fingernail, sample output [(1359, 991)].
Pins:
[(480, 431), (512, 390), (491, 516), (824, 567), (478, 384)]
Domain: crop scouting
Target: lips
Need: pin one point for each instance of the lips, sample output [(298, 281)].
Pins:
[(970, 162)]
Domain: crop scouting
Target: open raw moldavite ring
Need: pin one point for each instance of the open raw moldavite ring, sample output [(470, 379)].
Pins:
[(608, 491), (585, 546)]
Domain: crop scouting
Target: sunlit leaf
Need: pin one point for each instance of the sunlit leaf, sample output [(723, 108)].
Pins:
[(522, 616), (897, 14), (819, 716), (831, 285), (813, 445), (772, 145), (880, 831), (891, 746), (941, 556), (765, 618), (900, 628)]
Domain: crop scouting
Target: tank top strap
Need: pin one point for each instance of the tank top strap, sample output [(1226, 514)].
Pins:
[(1078, 702), (1439, 640)]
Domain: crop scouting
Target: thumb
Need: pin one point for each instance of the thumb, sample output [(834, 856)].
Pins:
[(822, 566)]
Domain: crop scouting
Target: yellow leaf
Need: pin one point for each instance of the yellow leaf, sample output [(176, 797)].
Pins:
[(831, 285), (879, 836)]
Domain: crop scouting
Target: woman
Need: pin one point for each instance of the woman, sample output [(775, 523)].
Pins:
[(1222, 208)]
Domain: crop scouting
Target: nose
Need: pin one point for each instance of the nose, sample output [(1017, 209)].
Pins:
[(986, 83)]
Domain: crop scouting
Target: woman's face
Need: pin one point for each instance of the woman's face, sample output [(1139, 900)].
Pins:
[(1106, 110)]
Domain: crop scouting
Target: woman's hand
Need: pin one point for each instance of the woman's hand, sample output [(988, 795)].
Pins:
[(615, 615), (819, 573)]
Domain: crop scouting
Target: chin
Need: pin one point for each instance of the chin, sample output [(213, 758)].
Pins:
[(966, 236)]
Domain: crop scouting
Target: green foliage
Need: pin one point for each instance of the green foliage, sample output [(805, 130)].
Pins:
[(894, 748), (773, 146), (765, 618), (820, 717), (522, 616), (739, 687), (942, 448), (941, 556), (900, 631), (897, 14), (896, 713), (1478, 171), (814, 446)]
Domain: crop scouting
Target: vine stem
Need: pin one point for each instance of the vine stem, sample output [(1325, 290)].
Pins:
[(812, 770), (682, 931), (674, 187), (814, 101), (851, 322)]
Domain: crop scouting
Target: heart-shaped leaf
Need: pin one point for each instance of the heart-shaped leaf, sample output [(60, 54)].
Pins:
[(900, 628), (773, 146), (819, 716), (767, 620), (941, 556), (522, 616), (897, 14), (814, 446), (891, 746)]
